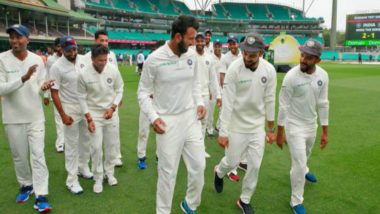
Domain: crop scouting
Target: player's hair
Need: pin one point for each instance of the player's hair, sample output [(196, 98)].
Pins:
[(99, 50), (100, 32), (57, 41), (182, 23)]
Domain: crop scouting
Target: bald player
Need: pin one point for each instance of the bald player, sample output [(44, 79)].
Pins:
[(303, 97)]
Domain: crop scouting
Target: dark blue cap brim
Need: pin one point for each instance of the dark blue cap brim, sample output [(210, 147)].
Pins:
[(67, 48), (18, 31)]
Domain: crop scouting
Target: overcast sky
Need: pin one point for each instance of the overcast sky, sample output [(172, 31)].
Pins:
[(322, 8)]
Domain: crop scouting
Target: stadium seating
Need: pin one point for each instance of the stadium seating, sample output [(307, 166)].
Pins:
[(182, 7), (99, 3), (236, 10), (165, 7), (124, 5), (278, 12), (144, 6), (258, 11)]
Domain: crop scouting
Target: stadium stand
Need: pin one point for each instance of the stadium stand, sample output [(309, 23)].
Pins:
[(258, 11), (165, 7), (142, 22)]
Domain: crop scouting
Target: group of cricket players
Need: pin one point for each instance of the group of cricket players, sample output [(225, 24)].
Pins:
[(181, 83)]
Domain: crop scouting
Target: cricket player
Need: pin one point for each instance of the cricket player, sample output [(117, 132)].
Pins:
[(144, 127), (175, 110), (215, 66), (22, 77), (101, 38), (207, 78), (232, 55), (209, 46), (100, 90), (60, 142), (249, 93), (65, 73), (140, 58), (229, 57), (303, 96)]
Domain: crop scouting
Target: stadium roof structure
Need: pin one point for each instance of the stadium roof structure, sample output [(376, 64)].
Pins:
[(48, 7)]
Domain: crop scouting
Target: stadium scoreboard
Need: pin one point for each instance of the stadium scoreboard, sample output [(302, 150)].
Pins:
[(363, 30)]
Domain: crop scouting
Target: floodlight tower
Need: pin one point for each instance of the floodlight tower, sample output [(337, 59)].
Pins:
[(333, 25)]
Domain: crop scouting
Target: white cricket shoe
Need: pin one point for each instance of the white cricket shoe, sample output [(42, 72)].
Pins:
[(75, 188), (85, 173), (112, 181), (98, 186)]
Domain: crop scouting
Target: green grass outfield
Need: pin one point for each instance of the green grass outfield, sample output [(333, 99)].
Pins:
[(348, 170)]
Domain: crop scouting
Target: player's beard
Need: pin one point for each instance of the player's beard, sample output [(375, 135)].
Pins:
[(181, 47), (305, 68), (251, 65), (199, 48), (71, 58)]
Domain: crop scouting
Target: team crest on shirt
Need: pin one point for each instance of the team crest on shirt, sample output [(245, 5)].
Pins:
[(109, 80), (319, 82), (189, 62), (264, 80)]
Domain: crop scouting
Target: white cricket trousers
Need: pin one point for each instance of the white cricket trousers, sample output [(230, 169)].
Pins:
[(27, 141), (183, 137), (210, 116), (116, 117), (105, 135), (206, 102), (253, 145), (60, 141), (142, 141), (300, 143), (76, 142)]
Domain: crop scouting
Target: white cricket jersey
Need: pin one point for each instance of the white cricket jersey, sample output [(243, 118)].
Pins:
[(301, 96), (98, 91), (209, 49), (140, 58), (207, 76), (172, 81), (111, 58), (65, 75), (249, 98), (216, 63), (50, 61), (21, 102), (227, 59)]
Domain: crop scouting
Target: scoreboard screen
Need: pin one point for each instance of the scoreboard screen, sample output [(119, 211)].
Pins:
[(363, 30)]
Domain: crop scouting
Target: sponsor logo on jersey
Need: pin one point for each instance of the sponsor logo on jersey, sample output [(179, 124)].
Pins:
[(245, 81)]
